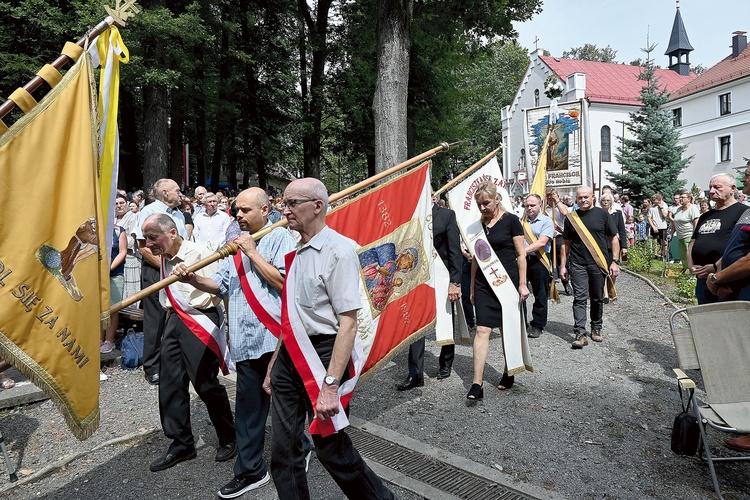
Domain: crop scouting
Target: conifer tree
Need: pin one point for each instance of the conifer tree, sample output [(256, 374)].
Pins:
[(651, 158)]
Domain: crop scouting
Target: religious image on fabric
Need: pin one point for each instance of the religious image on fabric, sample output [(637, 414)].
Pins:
[(60, 263), (393, 266), (564, 147)]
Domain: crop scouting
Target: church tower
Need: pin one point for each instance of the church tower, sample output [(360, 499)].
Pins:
[(679, 46)]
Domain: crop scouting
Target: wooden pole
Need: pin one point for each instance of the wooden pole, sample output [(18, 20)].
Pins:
[(444, 146), (467, 172), (58, 64), (231, 248)]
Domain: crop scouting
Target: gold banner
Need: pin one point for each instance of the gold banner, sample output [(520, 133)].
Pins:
[(54, 273)]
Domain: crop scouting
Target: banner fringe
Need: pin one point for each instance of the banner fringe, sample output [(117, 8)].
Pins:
[(40, 378)]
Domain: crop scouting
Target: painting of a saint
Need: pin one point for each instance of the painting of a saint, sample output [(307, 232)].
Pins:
[(385, 270)]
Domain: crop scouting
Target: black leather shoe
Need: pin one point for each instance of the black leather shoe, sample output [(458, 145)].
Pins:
[(443, 373), (534, 332), (152, 379), (172, 459), (410, 383), (241, 485), (224, 453)]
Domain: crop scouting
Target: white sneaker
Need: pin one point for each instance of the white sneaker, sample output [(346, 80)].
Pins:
[(102, 377)]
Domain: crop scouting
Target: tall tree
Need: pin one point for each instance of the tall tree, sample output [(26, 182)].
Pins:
[(590, 52), (389, 107), (652, 158), (459, 27), (312, 35)]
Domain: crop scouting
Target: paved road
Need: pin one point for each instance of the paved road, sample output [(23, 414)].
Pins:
[(593, 423)]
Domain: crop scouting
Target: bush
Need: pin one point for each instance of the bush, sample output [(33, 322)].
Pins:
[(640, 257), (685, 288)]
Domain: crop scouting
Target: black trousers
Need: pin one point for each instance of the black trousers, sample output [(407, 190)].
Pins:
[(416, 357), (538, 275), (153, 321), (251, 412), (466, 293), (184, 358), (336, 452)]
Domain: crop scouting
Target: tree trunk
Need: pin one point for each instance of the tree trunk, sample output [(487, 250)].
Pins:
[(156, 116), (130, 177), (312, 103), (177, 127), (391, 87)]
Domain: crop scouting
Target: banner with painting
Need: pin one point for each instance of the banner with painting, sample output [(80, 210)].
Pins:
[(564, 149)]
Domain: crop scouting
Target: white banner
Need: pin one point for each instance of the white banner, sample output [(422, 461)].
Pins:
[(461, 200)]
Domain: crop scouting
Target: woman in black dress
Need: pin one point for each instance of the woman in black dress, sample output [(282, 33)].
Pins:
[(505, 235)]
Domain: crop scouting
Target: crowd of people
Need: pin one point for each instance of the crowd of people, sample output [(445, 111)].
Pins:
[(579, 241)]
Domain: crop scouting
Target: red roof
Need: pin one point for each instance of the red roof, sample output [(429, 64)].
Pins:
[(726, 70), (613, 83)]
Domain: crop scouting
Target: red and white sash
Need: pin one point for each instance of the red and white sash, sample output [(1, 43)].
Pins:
[(213, 336), (265, 307), (307, 362)]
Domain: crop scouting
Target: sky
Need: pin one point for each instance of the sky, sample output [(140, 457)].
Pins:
[(624, 25)]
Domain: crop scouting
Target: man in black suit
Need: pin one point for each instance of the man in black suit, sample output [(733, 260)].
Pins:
[(447, 243)]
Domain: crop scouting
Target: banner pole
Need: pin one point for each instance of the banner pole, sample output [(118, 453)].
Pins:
[(118, 15), (231, 248), (467, 171)]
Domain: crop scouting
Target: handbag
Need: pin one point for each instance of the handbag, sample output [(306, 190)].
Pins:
[(685, 431)]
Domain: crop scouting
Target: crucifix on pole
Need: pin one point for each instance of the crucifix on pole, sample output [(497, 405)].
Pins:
[(536, 43)]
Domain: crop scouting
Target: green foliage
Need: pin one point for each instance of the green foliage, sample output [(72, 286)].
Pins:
[(590, 52), (652, 158), (685, 287), (640, 257)]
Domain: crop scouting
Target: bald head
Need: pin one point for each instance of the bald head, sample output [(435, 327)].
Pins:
[(252, 209), (310, 188), (168, 192), (254, 195), (306, 203), (585, 198)]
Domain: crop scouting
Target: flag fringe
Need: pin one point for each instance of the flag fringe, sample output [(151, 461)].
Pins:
[(408, 341), (40, 378)]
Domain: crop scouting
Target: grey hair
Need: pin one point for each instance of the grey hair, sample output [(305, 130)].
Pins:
[(163, 221), (728, 177)]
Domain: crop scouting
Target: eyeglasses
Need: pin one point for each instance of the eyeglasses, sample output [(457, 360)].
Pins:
[(292, 203)]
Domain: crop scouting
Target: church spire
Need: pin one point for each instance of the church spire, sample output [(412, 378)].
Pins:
[(679, 46)]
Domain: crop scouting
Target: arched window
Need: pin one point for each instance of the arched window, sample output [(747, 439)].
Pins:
[(606, 144), (536, 97)]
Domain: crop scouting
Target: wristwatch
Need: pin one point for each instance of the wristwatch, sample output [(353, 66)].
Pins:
[(616, 261), (712, 278), (331, 380), (456, 285)]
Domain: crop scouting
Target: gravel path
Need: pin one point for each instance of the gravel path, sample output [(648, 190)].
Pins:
[(590, 423)]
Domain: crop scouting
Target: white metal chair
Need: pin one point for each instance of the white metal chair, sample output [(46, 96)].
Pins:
[(717, 342)]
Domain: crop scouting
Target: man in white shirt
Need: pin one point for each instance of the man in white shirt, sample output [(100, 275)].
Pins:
[(211, 226), (200, 195), (186, 354)]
